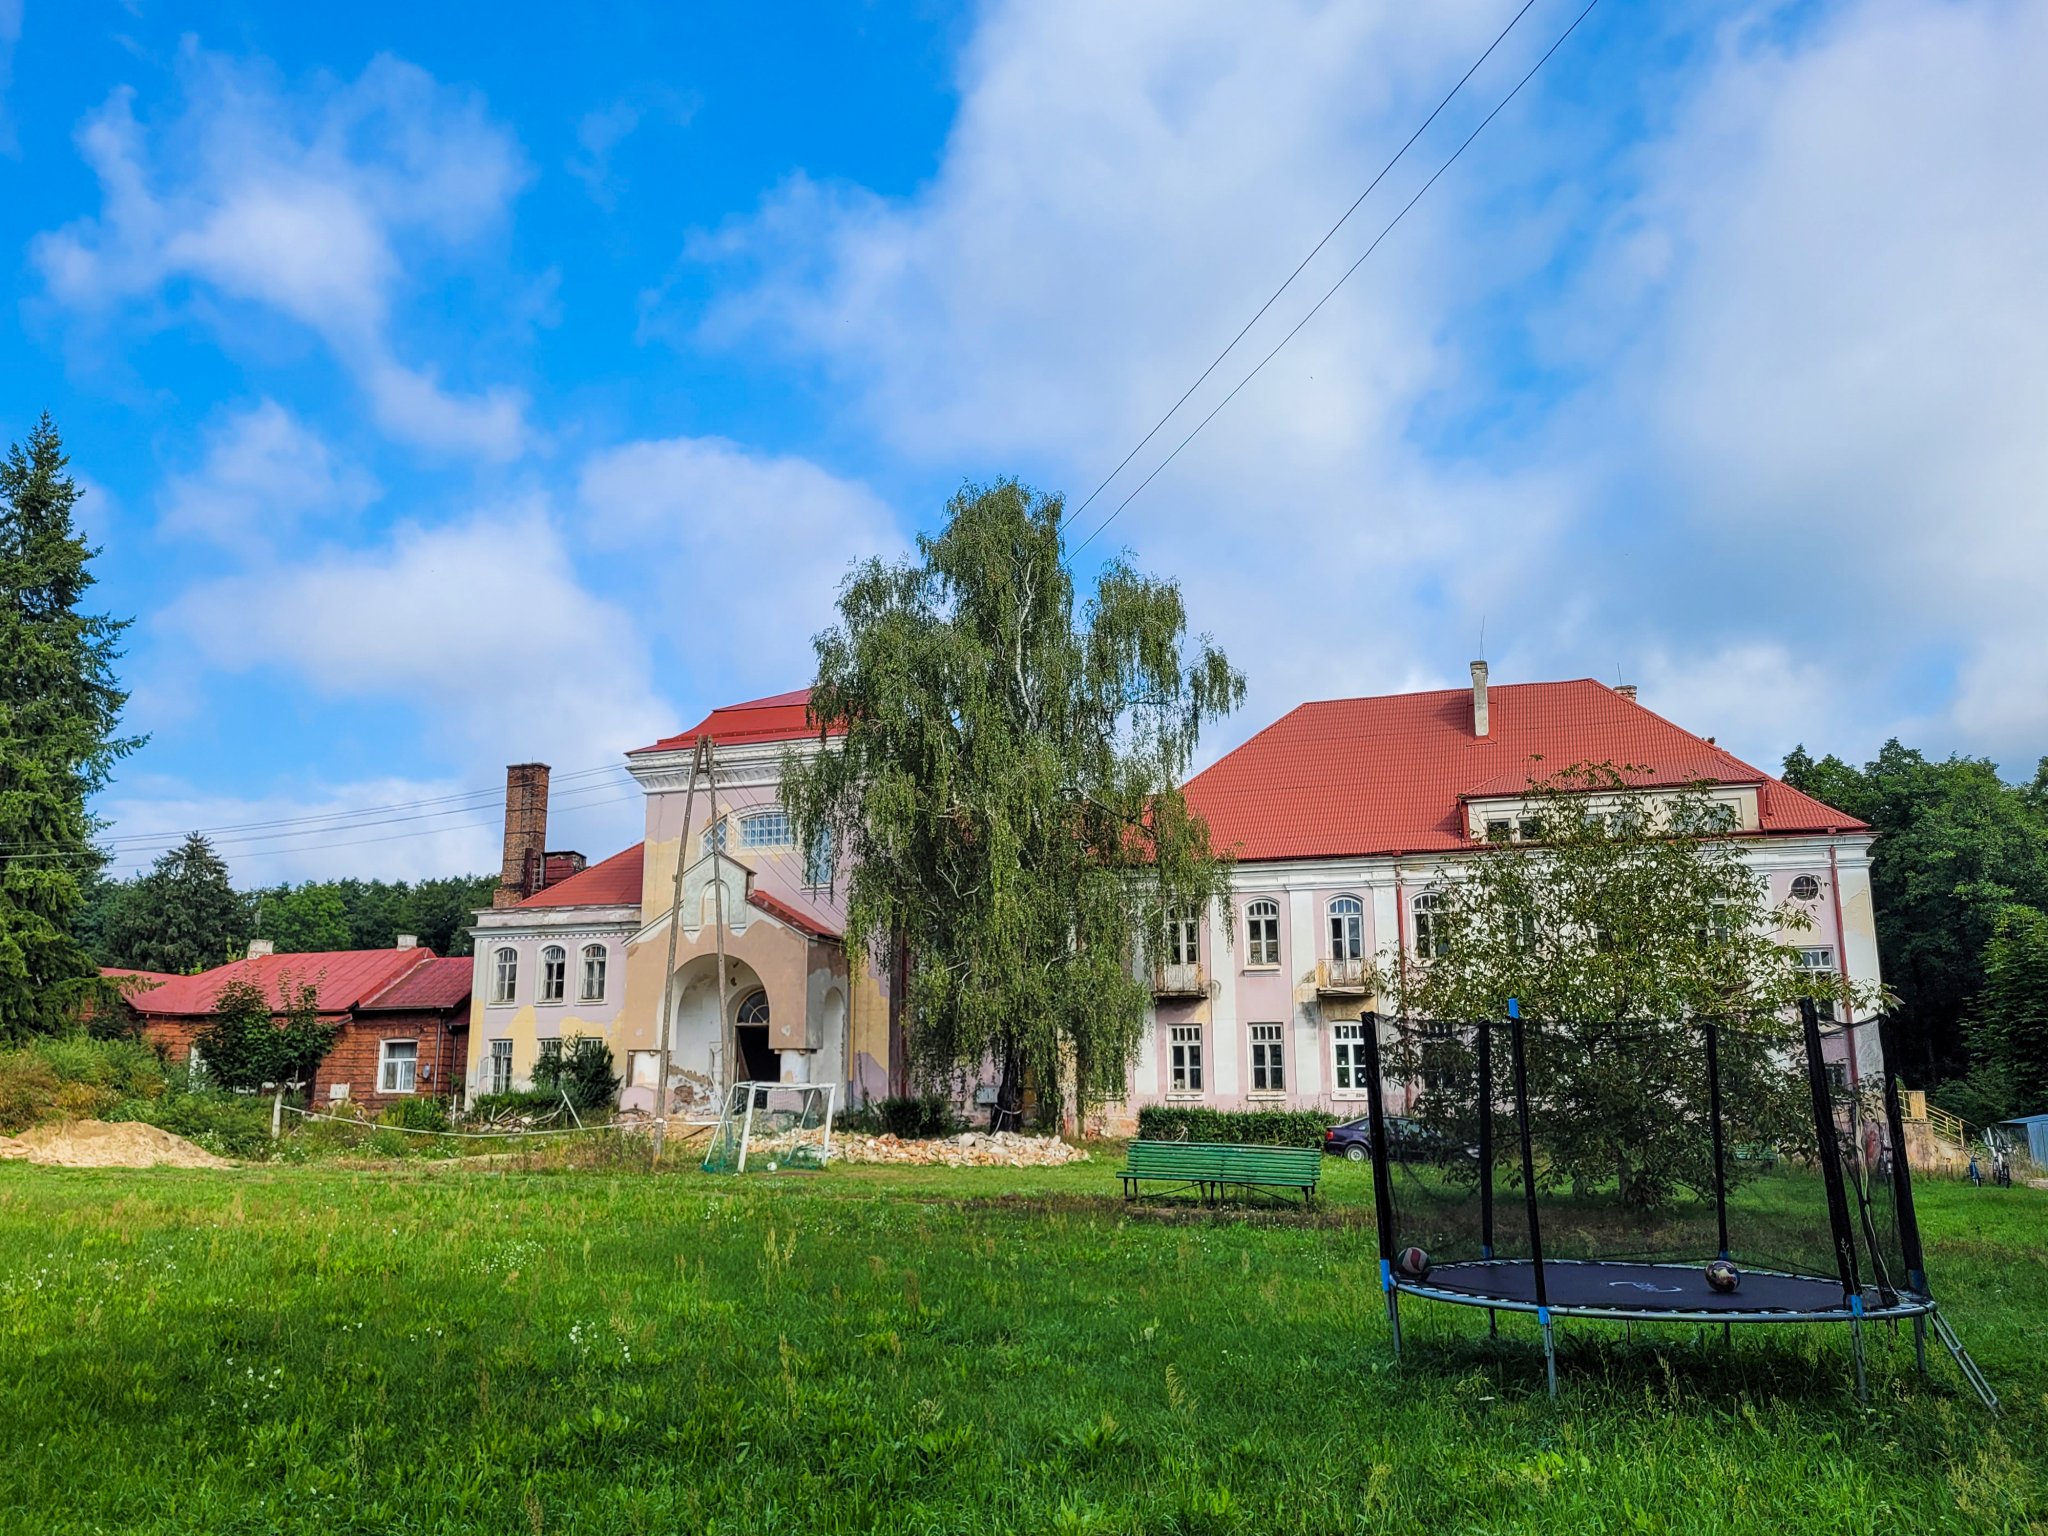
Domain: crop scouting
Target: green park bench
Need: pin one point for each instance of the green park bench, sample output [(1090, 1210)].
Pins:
[(1212, 1168)]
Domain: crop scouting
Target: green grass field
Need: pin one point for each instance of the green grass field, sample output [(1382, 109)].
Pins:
[(428, 1348)]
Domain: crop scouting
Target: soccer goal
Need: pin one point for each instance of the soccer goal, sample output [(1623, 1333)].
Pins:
[(772, 1126)]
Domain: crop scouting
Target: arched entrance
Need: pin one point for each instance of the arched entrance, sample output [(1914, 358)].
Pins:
[(759, 1062)]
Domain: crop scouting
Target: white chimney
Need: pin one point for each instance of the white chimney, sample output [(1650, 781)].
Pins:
[(259, 948), (1478, 698), (1627, 691), (408, 941)]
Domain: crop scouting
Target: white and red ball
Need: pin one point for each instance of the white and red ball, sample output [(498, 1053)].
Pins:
[(1722, 1276), (1412, 1264)]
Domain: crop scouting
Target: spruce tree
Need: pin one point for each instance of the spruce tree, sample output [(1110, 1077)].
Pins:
[(182, 916), (59, 707)]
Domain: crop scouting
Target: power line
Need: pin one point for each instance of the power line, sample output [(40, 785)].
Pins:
[(1304, 320), (1328, 235)]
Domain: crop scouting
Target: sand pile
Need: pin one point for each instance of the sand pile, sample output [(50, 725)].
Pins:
[(101, 1144), (971, 1149), (9, 1147)]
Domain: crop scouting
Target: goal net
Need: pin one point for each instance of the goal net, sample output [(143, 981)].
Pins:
[(771, 1126)]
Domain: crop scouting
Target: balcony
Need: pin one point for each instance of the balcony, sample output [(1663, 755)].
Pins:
[(1179, 979), (1342, 978)]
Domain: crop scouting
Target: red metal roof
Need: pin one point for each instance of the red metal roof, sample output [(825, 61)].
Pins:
[(803, 922), (133, 981), (443, 982), (1385, 775), (779, 717), (341, 978), (613, 882)]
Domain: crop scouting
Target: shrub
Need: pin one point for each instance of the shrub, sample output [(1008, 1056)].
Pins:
[(586, 1073), (28, 1090), (520, 1102), (1255, 1127), (228, 1124), (74, 1077), (916, 1116), (416, 1114)]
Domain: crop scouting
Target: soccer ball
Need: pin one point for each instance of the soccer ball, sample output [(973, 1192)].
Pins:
[(1723, 1276), (1412, 1264)]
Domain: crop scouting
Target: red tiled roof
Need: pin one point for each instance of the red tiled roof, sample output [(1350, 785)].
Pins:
[(1387, 775), (782, 911), (342, 979), (612, 882), (779, 717), (443, 982)]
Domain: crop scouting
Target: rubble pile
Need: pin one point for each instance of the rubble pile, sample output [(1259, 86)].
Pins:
[(970, 1149)]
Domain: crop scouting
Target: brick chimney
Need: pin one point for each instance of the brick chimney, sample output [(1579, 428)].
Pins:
[(1627, 691), (1478, 698), (408, 941), (260, 949), (526, 833)]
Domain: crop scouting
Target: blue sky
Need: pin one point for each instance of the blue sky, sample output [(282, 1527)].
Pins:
[(454, 388)]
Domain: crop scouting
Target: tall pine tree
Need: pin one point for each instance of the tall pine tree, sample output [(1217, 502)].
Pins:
[(59, 707), (182, 916)]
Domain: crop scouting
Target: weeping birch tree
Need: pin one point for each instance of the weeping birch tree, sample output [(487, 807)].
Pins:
[(1005, 797)]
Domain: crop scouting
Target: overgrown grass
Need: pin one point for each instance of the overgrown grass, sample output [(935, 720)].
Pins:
[(428, 1347)]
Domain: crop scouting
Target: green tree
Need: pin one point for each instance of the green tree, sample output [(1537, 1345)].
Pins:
[(1007, 792), (441, 911), (1955, 845), (182, 916), (303, 919), (59, 708), (1633, 920), (2008, 1028), (248, 1042)]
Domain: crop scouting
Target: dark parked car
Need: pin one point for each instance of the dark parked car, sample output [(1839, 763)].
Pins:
[(1406, 1138)]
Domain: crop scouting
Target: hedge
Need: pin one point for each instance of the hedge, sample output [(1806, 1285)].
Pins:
[(1258, 1127)]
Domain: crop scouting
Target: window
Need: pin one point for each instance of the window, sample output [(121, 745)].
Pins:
[(1442, 1059), (554, 973), (1805, 888), (1262, 933), (1431, 940), (765, 829), (592, 988), (1819, 961), (1348, 1053), (1186, 1060), (398, 1066), (818, 863), (1183, 938), (505, 975), (1499, 831), (1268, 1071), (500, 1079), (547, 1065), (753, 1009), (714, 836), (1347, 928), (1530, 829)]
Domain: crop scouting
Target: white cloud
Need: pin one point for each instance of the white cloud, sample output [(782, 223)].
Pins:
[(313, 206), (265, 472), (600, 132), (746, 550)]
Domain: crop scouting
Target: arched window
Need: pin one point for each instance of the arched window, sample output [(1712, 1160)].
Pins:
[(1347, 928), (592, 990), (753, 1008), (765, 829), (504, 975), (1430, 938), (713, 837), (1262, 933), (554, 973), (1805, 888)]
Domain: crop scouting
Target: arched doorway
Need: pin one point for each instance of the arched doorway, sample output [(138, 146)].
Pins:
[(759, 1062)]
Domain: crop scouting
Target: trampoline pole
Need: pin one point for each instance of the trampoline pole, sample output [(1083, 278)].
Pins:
[(1831, 1178), (1519, 1059), (1902, 1173), (1714, 1121), (1856, 1343), (1920, 1341), (1382, 1189), (1486, 1161)]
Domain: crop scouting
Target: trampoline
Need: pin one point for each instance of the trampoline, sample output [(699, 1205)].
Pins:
[(1593, 1171)]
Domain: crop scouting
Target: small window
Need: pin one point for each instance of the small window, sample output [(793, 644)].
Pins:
[(1499, 831), (765, 829), (1805, 888), (554, 974), (753, 1008), (1530, 829), (398, 1066), (1269, 1073), (500, 1078), (505, 975), (1186, 1059), (1817, 959), (714, 836), (1431, 939), (548, 1057), (1183, 938), (1348, 1056), (1262, 933), (1347, 928), (594, 962), (818, 861)]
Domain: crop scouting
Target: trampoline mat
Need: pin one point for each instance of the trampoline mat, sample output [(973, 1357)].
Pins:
[(1623, 1287)]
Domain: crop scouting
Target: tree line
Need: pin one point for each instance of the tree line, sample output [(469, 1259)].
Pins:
[(185, 915)]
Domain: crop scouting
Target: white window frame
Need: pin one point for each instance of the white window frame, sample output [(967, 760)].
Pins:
[(498, 1068), (389, 1080), (1184, 937), (1347, 1057), (554, 974), (819, 866), (1269, 1059), (715, 835), (1347, 928), (753, 1009), (1184, 1060), (1263, 912), (1424, 912), (1812, 895), (766, 829), (595, 965), (504, 974)]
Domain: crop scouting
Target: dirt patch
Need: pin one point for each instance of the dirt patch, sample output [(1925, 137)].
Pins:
[(9, 1147), (105, 1144)]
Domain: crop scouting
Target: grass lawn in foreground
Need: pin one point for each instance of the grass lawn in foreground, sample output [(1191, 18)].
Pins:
[(431, 1347)]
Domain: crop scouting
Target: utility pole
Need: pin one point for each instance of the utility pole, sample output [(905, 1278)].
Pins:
[(668, 976), (728, 1037)]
